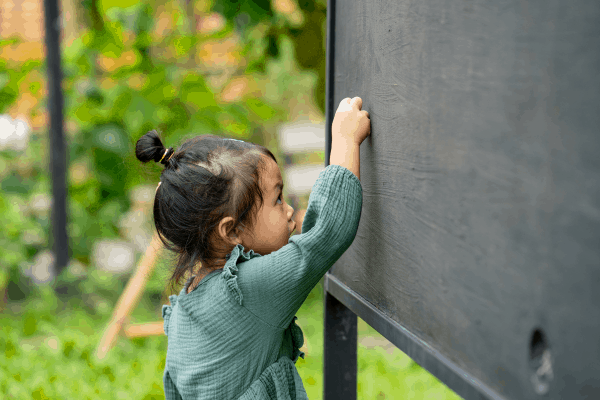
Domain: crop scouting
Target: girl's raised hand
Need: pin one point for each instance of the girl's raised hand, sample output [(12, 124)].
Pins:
[(350, 123)]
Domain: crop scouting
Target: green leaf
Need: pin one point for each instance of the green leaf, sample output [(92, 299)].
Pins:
[(111, 50), (74, 50), (10, 89), (194, 92), (111, 138), (4, 79), (120, 98), (29, 325), (14, 184), (245, 13), (110, 172), (85, 114), (111, 212), (139, 112), (183, 45), (179, 117), (260, 108), (10, 41), (233, 121), (105, 5), (159, 89), (4, 276)]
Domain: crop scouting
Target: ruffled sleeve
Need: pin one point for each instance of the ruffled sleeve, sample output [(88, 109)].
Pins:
[(230, 270), (166, 312)]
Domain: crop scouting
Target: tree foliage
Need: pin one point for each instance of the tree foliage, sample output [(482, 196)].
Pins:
[(137, 66)]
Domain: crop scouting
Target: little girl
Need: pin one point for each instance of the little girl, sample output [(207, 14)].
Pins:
[(219, 205)]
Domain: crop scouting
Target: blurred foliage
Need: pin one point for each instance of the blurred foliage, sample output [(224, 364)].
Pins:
[(182, 67), (60, 339), (138, 66)]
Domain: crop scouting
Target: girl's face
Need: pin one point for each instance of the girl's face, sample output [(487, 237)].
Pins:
[(274, 223)]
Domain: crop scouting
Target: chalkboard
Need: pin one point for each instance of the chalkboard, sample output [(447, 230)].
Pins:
[(478, 249)]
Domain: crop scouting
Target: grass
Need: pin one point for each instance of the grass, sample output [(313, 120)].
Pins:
[(47, 350)]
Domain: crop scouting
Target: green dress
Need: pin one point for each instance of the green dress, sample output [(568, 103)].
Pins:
[(234, 336)]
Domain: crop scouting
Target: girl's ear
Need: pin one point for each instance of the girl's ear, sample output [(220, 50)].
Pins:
[(226, 231)]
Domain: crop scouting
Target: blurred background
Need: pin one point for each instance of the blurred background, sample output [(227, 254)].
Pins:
[(253, 70)]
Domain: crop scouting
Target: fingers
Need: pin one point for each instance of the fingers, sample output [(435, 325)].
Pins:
[(347, 103), (366, 114), (344, 104), (356, 102)]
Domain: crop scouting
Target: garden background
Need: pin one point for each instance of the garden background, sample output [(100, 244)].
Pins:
[(239, 69)]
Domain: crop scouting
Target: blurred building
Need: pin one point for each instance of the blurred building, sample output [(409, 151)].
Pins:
[(22, 17), (25, 18)]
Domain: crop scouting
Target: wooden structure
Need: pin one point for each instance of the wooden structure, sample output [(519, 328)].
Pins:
[(119, 322), (478, 249)]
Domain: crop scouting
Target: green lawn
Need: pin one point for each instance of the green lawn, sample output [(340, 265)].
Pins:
[(48, 350)]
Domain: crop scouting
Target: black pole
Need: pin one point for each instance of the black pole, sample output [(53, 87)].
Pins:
[(340, 330), (339, 350), (59, 240), (329, 77), (341, 334)]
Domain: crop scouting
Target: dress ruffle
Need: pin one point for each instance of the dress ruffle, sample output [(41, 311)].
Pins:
[(230, 269), (297, 340), (166, 312), (279, 380)]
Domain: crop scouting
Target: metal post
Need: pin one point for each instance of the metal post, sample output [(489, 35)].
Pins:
[(341, 335), (340, 350), (329, 77), (58, 157)]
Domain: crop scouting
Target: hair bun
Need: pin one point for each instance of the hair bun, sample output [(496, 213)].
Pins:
[(150, 148)]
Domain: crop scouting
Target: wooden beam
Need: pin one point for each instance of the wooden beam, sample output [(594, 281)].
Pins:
[(143, 330), (129, 299)]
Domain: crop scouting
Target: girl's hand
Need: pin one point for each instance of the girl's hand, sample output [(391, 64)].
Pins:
[(350, 123), (298, 218)]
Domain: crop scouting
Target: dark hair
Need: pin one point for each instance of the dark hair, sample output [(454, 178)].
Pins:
[(207, 179)]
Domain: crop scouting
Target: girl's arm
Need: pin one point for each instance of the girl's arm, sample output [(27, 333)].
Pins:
[(350, 128), (274, 286)]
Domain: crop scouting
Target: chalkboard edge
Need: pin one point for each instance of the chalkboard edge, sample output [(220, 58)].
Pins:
[(329, 76)]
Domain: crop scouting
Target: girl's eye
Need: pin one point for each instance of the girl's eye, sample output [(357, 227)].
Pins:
[(280, 198)]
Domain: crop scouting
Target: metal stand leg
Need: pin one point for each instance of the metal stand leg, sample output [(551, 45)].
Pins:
[(340, 350)]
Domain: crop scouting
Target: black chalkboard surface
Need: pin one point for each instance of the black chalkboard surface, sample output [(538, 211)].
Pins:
[(478, 249)]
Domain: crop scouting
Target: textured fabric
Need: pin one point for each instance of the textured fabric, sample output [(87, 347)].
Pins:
[(235, 336)]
